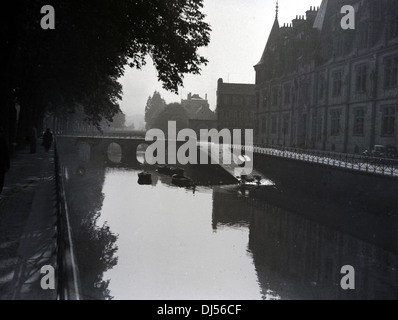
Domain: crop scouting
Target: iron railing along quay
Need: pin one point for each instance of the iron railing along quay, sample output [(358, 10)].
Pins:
[(368, 164), (68, 284)]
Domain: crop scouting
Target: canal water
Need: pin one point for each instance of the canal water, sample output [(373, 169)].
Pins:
[(159, 241)]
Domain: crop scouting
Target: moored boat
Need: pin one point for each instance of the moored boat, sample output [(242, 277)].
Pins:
[(181, 180), (144, 178), (170, 170)]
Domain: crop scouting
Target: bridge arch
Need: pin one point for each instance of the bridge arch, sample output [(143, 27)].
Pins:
[(140, 152), (114, 152)]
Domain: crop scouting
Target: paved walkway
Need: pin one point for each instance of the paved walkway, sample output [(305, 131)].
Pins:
[(27, 226)]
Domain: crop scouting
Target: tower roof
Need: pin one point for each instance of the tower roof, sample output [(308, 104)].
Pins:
[(320, 18), (273, 38)]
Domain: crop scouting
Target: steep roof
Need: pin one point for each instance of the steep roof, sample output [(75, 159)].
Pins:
[(320, 17), (272, 40)]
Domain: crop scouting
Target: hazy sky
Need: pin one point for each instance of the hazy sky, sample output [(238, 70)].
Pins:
[(240, 29)]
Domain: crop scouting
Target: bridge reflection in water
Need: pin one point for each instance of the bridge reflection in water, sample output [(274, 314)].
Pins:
[(162, 242)]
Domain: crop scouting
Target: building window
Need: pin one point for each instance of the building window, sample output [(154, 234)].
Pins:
[(275, 93), (274, 124), (265, 99), (236, 100), (248, 101), (286, 126), (305, 92), (313, 126), (393, 24), (388, 121), (288, 93), (321, 92), (335, 122), (258, 100), (316, 128), (364, 37), (304, 119), (359, 122), (337, 83), (391, 72), (227, 100), (264, 125), (319, 129), (339, 46), (361, 78)]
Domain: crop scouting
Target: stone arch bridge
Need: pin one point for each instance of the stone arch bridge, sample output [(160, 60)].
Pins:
[(99, 146)]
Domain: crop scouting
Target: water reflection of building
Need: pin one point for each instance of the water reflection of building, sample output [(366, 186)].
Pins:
[(228, 209), (299, 258)]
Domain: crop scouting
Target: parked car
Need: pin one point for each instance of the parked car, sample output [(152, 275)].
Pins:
[(378, 151), (391, 152), (382, 155)]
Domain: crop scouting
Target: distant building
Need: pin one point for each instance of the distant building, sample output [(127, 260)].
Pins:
[(200, 116), (319, 86), (236, 105), (198, 108)]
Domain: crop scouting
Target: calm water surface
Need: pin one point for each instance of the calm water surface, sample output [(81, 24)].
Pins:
[(163, 242), (168, 248)]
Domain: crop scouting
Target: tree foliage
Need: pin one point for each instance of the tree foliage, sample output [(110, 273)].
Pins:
[(119, 121), (154, 106), (80, 62), (172, 112)]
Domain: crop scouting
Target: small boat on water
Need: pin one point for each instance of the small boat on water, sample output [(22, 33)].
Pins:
[(163, 169), (248, 181), (144, 178), (248, 178), (181, 180), (174, 171), (170, 170)]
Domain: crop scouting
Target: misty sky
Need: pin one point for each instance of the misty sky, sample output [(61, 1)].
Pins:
[(240, 29)]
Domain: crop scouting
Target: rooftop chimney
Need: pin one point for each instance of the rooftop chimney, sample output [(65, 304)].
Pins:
[(311, 14), (298, 21)]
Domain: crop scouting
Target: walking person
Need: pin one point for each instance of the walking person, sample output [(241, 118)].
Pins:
[(4, 159), (48, 139)]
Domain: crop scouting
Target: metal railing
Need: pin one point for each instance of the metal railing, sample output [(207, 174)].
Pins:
[(373, 165), (68, 284)]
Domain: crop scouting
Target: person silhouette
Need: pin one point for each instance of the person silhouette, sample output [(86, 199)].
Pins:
[(4, 159), (48, 139)]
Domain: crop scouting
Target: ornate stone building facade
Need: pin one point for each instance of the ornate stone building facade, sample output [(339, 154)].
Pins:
[(322, 87)]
